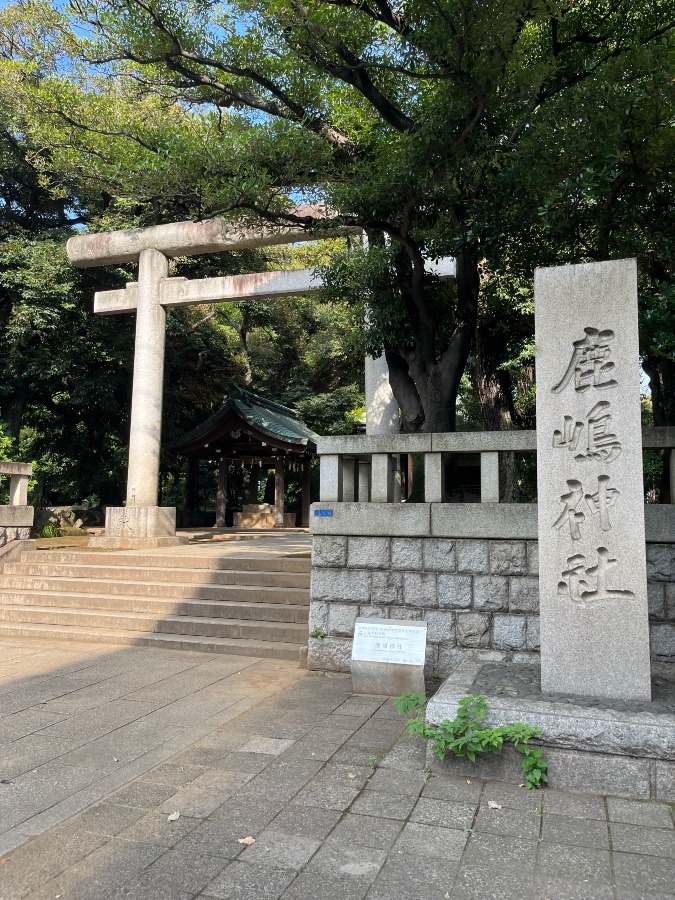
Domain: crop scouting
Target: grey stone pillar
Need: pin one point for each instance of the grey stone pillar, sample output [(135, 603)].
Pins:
[(433, 477), (330, 478), (349, 484), (221, 493), (364, 481), (489, 478), (306, 491), (146, 401), (382, 414), (18, 490), (279, 482), (380, 483)]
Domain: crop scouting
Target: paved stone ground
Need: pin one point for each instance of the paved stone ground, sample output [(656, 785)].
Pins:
[(79, 720), (341, 807)]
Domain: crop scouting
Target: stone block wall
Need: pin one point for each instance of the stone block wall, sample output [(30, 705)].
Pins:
[(479, 597), (13, 533)]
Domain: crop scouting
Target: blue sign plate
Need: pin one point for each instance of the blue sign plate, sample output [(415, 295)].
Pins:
[(326, 513)]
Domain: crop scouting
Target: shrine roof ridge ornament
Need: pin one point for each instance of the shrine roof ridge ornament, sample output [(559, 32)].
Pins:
[(191, 239)]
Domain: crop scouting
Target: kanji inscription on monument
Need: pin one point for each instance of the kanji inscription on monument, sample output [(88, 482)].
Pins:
[(592, 569)]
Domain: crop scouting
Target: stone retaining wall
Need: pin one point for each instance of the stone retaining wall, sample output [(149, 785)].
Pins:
[(479, 597), (13, 533)]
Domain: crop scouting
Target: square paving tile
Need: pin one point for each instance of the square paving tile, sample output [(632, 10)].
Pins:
[(308, 820), (636, 812), (512, 796), (565, 889), (183, 871), (280, 850), (447, 787), (405, 877), (429, 840), (307, 887), (481, 884), (244, 881), (338, 860), (580, 806), (392, 781), (645, 873), (108, 818), (492, 851), (517, 823), (155, 828), (443, 812), (214, 839), (574, 863), (365, 831), (328, 796), (640, 839), (143, 794), (570, 830), (386, 806), (266, 745), (174, 773)]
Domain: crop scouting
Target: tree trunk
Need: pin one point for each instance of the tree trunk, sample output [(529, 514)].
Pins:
[(16, 408), (426, 387)]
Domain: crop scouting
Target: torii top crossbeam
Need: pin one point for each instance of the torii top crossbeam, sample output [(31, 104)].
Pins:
[(190, 239)]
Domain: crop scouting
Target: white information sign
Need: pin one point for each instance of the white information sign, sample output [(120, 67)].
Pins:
[(390, 642)]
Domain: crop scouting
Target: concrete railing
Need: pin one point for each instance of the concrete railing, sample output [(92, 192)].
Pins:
[(366, 468)]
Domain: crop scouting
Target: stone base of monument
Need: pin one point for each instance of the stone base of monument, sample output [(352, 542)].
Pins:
[(594, 746), (139, 527)]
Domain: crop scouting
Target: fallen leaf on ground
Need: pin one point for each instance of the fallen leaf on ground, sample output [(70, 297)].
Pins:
[(247, 840), (173, 816), (493, 805)]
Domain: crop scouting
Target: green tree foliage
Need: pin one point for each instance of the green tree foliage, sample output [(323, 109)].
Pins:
[(458, 127)]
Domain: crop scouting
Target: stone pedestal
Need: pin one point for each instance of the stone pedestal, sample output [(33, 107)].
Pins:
[(139, 526), (626, 749)]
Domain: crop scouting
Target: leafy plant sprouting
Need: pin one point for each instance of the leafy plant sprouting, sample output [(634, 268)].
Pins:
[(318, 633), (467, 736)]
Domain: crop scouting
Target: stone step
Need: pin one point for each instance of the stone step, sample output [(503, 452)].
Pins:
[(175, 560), (223, 609), (263, 649), (157, 574), (234, 629), (167, 591)]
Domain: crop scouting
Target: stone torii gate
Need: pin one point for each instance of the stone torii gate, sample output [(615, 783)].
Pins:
[(141, 521)]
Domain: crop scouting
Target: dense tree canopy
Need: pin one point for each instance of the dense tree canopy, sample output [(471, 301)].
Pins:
[(510, 134)]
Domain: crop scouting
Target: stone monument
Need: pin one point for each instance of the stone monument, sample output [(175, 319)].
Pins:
[(592, 569)]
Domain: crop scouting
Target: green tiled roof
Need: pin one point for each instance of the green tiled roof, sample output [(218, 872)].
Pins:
[(266, 416)]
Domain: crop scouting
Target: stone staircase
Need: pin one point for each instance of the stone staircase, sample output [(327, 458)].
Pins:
[(249, 606)]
